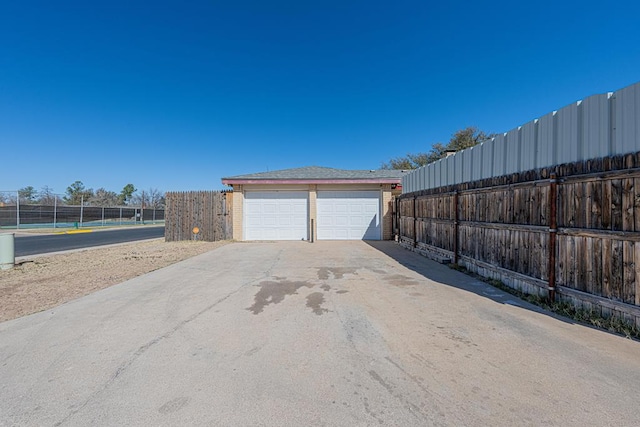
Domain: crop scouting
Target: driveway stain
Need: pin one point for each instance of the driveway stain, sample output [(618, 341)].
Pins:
[(337, 272), (382, 382), (401, 281), (274, 292), (315, 301), (173, 405)]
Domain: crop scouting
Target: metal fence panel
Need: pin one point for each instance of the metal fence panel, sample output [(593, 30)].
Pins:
[(487, 159), (627, 112), (467, 163), (458, 169), (477, 163), (422, 177), (596, 125), (451, 169), (546, 140), (568, 144), (512, 141), (499, 155), (528, 145)]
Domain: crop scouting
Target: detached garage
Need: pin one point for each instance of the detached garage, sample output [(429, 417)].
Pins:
[(314, 203)]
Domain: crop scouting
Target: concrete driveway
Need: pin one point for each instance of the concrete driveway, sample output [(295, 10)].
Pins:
[(299, 334)]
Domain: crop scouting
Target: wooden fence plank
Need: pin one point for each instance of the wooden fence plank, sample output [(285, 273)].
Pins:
[(606, 268), (636, 204), (597, 274), (629, 273), (581, 262), (606, 204), (628, 203), (617, 265), (616, 205), (636, 264)]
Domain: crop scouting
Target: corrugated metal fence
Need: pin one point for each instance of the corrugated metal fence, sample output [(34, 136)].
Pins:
[(198, 215), (596, 127), (573, 230)]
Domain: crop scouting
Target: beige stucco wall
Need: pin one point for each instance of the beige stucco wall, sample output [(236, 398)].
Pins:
[(237, 212), (313, 212), (385, 214)]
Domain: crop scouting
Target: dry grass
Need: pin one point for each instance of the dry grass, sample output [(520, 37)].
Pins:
[(47, 281)]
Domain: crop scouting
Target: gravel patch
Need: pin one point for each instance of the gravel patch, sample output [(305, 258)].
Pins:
[(48, 281)]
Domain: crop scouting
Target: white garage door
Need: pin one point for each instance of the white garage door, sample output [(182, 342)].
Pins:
[(349, 215), (275, 215)]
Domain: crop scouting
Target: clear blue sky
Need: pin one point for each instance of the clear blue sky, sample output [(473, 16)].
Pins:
[(175, 95)]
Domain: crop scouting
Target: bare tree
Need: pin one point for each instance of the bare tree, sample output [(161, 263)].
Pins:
[(155, 198), (47, 196), (149, 199), (104, 197), (5, 199)]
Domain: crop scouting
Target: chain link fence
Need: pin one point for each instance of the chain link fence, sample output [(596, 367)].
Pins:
[(16, 213)]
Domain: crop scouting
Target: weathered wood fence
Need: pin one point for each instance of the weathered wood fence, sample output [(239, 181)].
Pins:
[(198, 215), (570, 232)]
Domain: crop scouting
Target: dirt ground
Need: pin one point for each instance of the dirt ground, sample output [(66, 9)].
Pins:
[(43, 282)]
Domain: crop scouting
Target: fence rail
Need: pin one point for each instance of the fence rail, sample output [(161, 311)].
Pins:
[(573, 230), (599, 126), (198, 215)]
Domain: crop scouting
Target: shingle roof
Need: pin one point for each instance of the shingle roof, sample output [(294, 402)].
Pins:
[(320, 173)]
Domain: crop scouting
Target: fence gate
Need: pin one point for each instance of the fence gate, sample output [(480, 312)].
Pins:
[(198, 215)]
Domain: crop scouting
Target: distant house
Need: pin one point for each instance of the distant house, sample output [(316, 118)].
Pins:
[(314, 203)]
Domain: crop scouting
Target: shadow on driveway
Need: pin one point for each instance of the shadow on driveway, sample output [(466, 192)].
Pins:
[(440, 273)]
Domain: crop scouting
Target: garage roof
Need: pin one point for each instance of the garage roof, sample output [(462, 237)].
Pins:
[(318, 175)]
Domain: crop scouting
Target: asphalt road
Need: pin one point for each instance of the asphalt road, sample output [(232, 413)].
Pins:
[(323, 334), (34, 245)]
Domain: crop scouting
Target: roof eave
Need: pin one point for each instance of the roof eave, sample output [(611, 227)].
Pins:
[(231, 181)]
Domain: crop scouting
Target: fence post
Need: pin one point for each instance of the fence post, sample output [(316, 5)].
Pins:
[(120, 215), (81, 209), (55, 210), (415, 224), (394, 222), (103, 216), (17, 210), (455, 226), (553, 230)]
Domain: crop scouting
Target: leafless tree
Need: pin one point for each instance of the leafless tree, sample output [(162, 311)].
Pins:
[(103, 197), (149, 199)]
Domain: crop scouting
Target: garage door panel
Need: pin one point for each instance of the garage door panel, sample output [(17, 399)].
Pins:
[(267, 208), (348, 215), (275, 215)]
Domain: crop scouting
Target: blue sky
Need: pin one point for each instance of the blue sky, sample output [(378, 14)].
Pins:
[(175, 95)]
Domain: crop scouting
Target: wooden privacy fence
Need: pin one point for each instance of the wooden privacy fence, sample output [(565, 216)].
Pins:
[(198, 215), (570, 231)]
